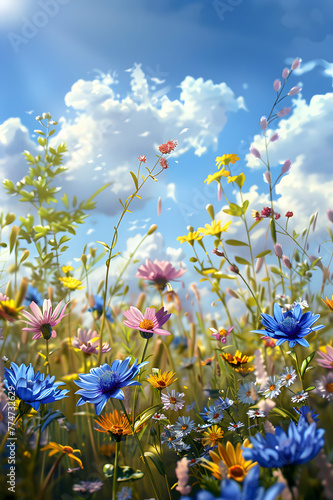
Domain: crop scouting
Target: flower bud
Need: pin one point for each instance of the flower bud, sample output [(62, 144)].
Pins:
[(284, 112), (263, 123), (275, 137), (190, 229), (234, 269), (159, 206), (38, 118), (231, 293), (255, 153), (267, 177), (286, 262), (285, 73), (277, 85), (259, 264), (330, 215), (278, 250), (296, 64), (218, 252), (286, 167), (152, 229), (210, 210), (219, 192), (294, 90), (47, 116)]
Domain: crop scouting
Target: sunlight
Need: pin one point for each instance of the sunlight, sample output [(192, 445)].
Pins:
[(10, 10)]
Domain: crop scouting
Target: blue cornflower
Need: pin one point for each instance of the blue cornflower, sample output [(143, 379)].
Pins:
[(98, 307), (301, 444), (32, 388), (214, 415), (289, 326), (184, 425), (223, 404), (231, 490), (245, 393), (304, 410), (106, 382), (33, 295), (125, 493)]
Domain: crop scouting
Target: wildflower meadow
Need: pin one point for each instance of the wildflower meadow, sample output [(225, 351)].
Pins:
[(109, 396)]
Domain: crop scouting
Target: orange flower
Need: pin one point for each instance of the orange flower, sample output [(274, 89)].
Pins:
[(328, 302), (116, 423), (237, 360), (66, 450)]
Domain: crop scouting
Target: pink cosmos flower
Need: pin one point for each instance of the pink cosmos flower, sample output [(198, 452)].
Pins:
[(148, 323), (160, 272), (142, 158), (326, 359), (41, 324), (88, 342), (221, 334), (167, 147)]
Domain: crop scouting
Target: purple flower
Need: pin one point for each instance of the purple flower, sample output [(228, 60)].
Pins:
[(296, 64), (88, 342), (263, 123), (283, 112), (255, 153), (159, 272), (294, 90), (148, 323), (277, 85), (274, 137), (330, 215), (285, 73), (286, 167), (41, 324)]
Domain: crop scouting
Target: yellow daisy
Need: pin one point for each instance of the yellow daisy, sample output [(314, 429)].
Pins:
[(328, 302), (67, 269), (71, 283), (191, 237), (161, 380), (9, 310), (214, 228), (237, 360), (226, 159), (212, 436), (233, 458), (116, 423), (217, 176)]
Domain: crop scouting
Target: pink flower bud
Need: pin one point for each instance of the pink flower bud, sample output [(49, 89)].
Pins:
[(286, 262), (275, 137), (285, 73), (267, 177), (255, 153), (284, 112), (330, 215), (263, 123), (159, 206), (278, 250), (286, 167), (218, 252), (259, 264), (294, 90), (233, 268), (219, 192), (296, 64), (277, 85), (231, 293)]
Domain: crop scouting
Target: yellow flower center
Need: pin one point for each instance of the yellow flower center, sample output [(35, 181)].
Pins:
[(288, 377), (213, 436), (237, 472), (329, 387), (222, 332), (173, 400), (67, 449), (272, 387), (146, 324), (184, 427)]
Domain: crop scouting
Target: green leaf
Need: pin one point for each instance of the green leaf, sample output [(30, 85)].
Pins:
[(275, 270), (234, 210), (236, 243), (64, 199), (292, 355), (245, 206), (135, 180), (262, 254), (98, 191), (51, 132), (41, 141), (284, 414), (240, 180), (306, 362), (310, 388), (273, 231), (193, 259), (240, 260), (146, 415), (156, 461), (256, 222)]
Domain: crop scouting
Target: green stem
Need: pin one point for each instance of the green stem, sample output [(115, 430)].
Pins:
[(115, 471), (41, 495), (137, 387), (151, 477)]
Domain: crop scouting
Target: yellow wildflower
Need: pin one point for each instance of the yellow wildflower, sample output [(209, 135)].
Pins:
[(66, 269), (66, 450), (237, 360), (161, 380), (190, 238), (328, 302), (217, 176), (71, 283), (214, 228), (226, 159), (9, 310), (212, 435), (233, 458)]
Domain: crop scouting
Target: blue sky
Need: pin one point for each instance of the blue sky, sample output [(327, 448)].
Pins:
[(165, 66)]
